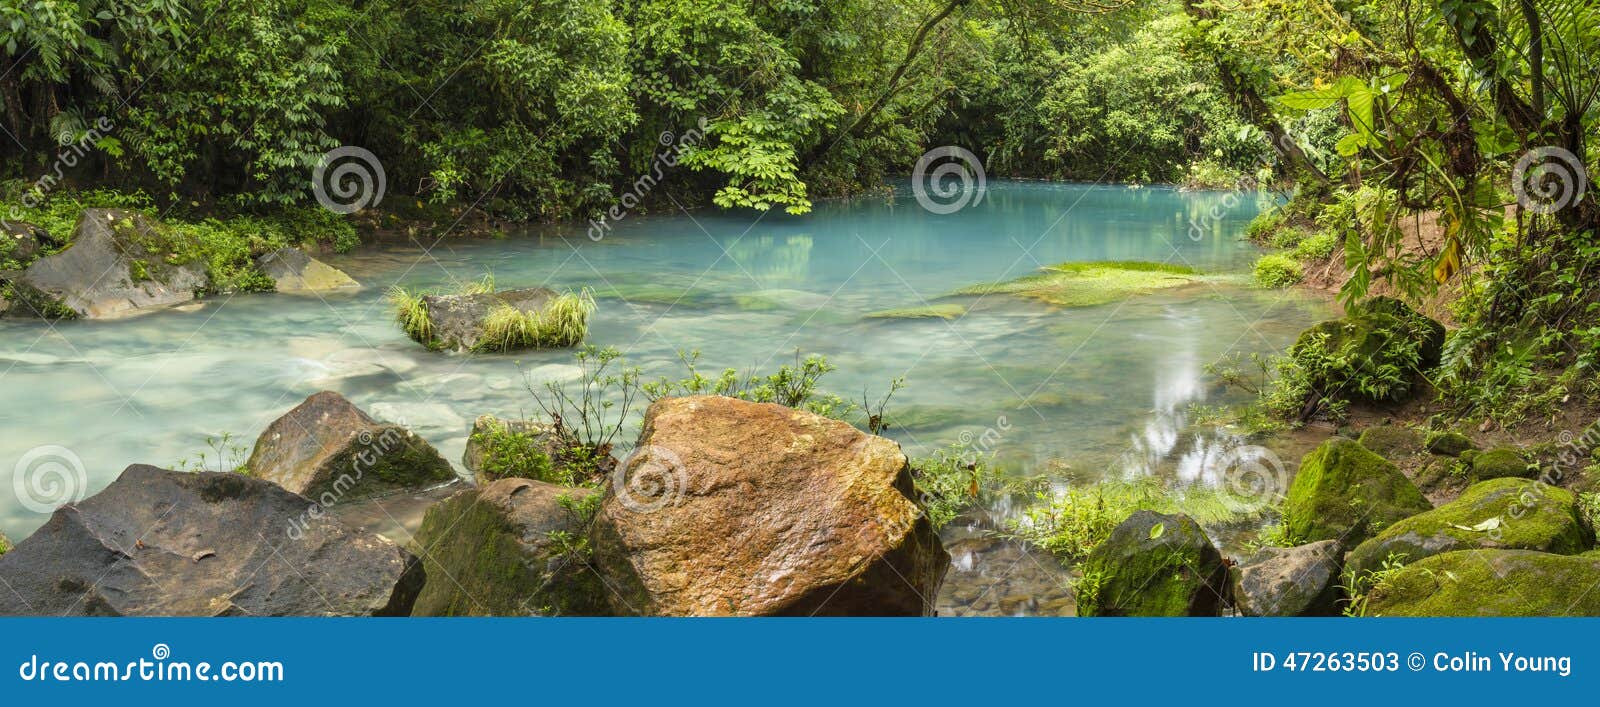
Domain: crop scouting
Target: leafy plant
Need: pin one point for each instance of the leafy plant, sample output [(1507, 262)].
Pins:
[(949, 481)]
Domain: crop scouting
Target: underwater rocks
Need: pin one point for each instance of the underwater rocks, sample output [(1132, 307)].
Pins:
[(731, 507), (1502, 513), (168, 543), (1289, 581), (508, 320), (117, 264), (292, 270), (1154, 564), (510, 548), (328, 449), (1345, 492), (1490, 583), (1088, 284)]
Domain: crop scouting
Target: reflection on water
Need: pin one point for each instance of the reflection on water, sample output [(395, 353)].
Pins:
[(1097, 391)]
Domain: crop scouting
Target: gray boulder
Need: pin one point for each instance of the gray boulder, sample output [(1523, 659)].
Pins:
[(169, 543), (460, 322), (1289, 581), (294, 271), (328, 450), (119, 263)]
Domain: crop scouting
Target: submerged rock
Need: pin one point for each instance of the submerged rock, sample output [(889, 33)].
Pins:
[(1153, 564), (119, 262), (1087, 284), (328, 450), (1345, 492), (294, 271), (1503, 513), (511, 548), (1289, 581), (731, 507), (169, 543), (1490, 583)]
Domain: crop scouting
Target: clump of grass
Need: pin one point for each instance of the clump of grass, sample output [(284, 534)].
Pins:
[(949, 481), (1276, 270), (1317, 247), (563, 321), (1074, 522), (932, 311), (1359, 589), (480, 286), (412, 313), (1087, 284)]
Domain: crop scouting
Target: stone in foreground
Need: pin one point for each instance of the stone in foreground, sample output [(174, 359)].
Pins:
[(1491, 583), (509, 549), (292, 270), (328, 450), (1345, 492), (119, 263), (169, 543), (1502, 513), (1153, 565), (737, 508), (1289, 581)]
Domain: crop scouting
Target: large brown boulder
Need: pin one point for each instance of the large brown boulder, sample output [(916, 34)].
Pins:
[(119, 263), (730, 507), (515, 547), (169, 543), (328, 450)]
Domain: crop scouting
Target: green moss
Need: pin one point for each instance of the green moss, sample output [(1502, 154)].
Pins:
[(390, 458), (1086, 284), (1275, 270), (932, 311), (1448, 443), (1503, 513), (1490, 583), (1154, 565), (1344, 491), (1500, 463), (1078, 519), (508, 453), (1391, 441), (5, 544)]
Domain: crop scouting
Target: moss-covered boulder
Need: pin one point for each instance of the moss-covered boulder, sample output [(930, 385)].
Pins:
[(1448, 443), (514, 547), (1288, 581), (1502, 463), (1375, 353), (1391, 441), (328, 450), (1345, 492), (118, 263), (1502, 513), (1490, 583), (1153, 564)]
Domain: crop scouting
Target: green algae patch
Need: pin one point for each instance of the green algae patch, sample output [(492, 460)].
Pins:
[(1344, 491), (932, 311), (1490, 583), (1504, 513), (1088, 284)]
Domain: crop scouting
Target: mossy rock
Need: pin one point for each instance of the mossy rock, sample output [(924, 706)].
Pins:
[(1153, 565), (1391, 441), (511, 548), (1376, 335), (1087, 284), (1502, 513), (1345, 492), (1502, 463), (1491, 583), (1448, 443), (932, 311)]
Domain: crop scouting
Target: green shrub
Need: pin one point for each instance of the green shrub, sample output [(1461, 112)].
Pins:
[(1316, 247), (1276, 270), (948, 481), (510, 453)]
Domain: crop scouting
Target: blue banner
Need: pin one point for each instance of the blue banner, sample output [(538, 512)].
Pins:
[(800, 661)]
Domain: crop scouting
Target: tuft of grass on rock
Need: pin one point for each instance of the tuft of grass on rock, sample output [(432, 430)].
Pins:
[(411, 312), (564, 321)]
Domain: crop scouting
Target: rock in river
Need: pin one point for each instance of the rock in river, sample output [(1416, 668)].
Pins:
[(169, 543), (507, 320), (329, 450), (119, 262), (294, 271), (510, 548), (1289, 581), (730, 507), (1153, 565)]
